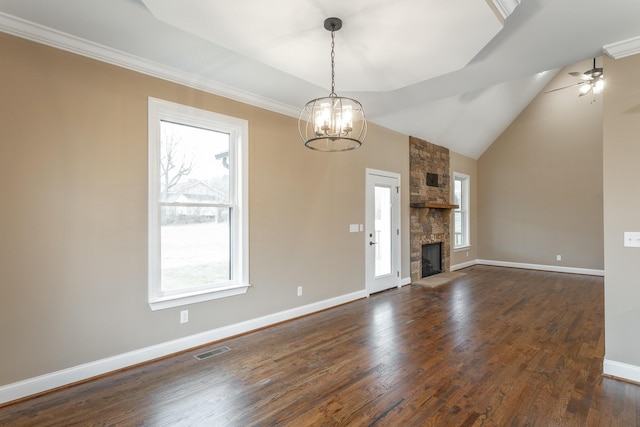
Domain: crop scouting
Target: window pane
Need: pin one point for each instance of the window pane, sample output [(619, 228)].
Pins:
[(460, 215), (195, 248), (457, 192), (457, 222), (457, 228), (194, 164)]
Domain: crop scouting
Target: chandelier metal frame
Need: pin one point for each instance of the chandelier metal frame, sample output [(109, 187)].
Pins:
[(333, 123)]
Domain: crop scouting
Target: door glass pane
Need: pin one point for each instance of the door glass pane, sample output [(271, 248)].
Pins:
[(194, 246), (383, 230)]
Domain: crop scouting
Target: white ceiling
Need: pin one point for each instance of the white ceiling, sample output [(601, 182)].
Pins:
[(378, 35), (447, 71)]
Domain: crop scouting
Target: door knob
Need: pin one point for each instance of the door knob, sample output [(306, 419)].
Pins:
[(373, 243)]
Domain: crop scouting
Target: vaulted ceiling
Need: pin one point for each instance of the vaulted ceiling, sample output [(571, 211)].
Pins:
[(454, 72)]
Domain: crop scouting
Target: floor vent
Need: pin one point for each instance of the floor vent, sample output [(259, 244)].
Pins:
[(211, 353)]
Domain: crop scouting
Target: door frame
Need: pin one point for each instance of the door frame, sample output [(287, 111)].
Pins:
[(369, 227)]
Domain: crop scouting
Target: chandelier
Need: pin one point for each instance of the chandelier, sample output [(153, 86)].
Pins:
[(332, 123)]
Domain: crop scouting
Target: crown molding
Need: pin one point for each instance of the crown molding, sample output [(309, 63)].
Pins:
[(506, 7), (47, 36), (623, 48)]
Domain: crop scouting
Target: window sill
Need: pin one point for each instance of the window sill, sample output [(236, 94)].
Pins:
[(185, 299), (462, 248)]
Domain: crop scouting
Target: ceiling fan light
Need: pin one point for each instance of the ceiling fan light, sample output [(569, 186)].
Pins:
[(585, 88), (598, 86)]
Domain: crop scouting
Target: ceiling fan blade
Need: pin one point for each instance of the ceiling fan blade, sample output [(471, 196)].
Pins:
[(594, 72), (579, 75), (564, 87)]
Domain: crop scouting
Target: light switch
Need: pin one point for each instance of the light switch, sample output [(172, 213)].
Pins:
[(632, 239), (353, 228)]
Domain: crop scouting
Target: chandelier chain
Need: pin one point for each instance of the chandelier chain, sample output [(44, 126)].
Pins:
[(333, 64)]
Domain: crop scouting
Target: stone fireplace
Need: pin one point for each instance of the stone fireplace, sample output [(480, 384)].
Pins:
[(430, 210)]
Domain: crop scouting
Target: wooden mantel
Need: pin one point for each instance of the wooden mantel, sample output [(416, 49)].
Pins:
[(431, 205)]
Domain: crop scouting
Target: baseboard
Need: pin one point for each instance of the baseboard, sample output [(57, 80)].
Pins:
[(554, 268), (620, 370), (42, 383), (404, 282), (463, 265)]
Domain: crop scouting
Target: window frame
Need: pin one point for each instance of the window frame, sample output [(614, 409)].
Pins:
[(464, 210), (161, 110)]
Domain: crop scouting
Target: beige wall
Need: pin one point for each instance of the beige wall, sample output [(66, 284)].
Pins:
[(73, 163), (622, 209), (540, 183), (467, 166)]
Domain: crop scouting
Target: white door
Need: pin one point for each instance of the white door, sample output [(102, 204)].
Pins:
[(382, 230)]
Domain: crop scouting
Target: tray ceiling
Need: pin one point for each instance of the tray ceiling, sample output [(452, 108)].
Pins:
[(430, 37)]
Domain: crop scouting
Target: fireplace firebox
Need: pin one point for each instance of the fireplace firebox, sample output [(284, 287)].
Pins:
[(431, 259)]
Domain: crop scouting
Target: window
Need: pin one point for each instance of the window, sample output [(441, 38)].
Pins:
[(461, 214), (197, 205)]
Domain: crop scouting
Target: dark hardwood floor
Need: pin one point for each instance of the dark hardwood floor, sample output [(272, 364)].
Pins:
[(497, 347)]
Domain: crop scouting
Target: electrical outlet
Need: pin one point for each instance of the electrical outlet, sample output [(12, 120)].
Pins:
[(299, 291), (184, 316), (558, 257), (632, 239)]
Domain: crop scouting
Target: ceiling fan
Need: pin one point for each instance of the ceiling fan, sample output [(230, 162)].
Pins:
[(592, 81)]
